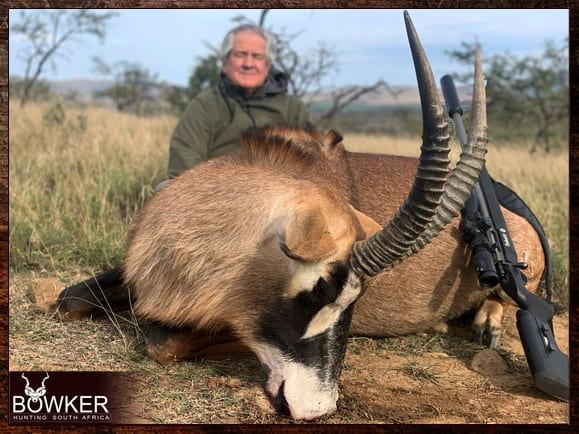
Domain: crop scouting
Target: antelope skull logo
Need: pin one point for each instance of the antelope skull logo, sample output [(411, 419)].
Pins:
[(35, 394)]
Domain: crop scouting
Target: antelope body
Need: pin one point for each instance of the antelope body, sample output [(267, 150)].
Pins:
[(286, 177), (294, 243)]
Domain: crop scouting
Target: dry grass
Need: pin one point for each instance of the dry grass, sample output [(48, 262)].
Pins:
[(77, 183)]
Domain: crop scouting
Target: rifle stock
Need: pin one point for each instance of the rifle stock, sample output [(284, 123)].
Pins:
[(548, 365)]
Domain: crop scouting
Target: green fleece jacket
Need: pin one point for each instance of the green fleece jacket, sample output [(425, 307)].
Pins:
[(214, 120)]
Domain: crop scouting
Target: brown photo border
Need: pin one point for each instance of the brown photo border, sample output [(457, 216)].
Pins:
[(573, 7)]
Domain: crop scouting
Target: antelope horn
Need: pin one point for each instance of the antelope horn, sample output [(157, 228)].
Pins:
[(25, 379), (468, 168), (384, 248), (45, 378)]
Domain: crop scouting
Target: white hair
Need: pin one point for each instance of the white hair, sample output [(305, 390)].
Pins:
[(270, 43)]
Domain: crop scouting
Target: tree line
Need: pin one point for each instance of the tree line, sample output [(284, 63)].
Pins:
[(527, 97)]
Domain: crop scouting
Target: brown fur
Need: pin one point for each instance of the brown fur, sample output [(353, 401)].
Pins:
[(297, 185), (436, 285), (191, 263)]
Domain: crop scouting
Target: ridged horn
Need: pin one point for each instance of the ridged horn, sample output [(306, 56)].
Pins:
[(383, 249), (468, 168)]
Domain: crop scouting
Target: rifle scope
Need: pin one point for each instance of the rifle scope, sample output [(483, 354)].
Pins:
[(472, 226), (482, 259)]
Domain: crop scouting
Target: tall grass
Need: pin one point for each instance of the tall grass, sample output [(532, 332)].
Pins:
[(78, 176), (76, 182)]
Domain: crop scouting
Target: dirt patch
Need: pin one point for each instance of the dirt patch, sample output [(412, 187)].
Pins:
[(446, 383), (422, 379)]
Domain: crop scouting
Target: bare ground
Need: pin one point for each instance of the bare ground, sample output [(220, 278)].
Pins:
[(430, 378)]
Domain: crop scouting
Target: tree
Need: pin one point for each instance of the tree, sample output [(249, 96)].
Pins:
[(525, 94), (345, 96), (205, 74), (47, 32), (40, 91), (134, 85)]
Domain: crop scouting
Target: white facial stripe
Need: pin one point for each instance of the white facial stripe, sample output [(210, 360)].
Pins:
[(304, 276), (328, 315)]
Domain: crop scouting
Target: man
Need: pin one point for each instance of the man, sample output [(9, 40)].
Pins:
[(250, 94)]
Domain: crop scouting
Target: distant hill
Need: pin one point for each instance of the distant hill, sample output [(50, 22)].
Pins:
[(405, 96), (84, 88), (401, 96)]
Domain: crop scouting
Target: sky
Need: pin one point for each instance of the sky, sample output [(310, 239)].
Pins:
[(370, 44)]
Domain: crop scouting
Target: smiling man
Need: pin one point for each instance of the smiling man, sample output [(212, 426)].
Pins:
[(250, 93)]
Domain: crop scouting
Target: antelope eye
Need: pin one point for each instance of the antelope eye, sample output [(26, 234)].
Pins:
[(325, 291), (312, 300)]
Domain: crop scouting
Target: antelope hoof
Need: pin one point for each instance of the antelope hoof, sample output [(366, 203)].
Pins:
[(487, 323), (490, 335), (168, 345), (479, 334), (495, 337)]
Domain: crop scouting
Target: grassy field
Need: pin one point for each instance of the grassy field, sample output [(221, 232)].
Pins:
[(77, 178)]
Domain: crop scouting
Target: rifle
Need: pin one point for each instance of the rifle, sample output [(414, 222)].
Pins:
[(496, 262)]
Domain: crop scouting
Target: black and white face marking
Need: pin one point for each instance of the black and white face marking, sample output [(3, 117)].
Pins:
[(303, 343), (329, 315)]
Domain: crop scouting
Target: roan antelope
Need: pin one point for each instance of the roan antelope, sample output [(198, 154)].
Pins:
[(281, 248)]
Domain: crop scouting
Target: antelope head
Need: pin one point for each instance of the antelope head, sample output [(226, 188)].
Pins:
[(309, 388)]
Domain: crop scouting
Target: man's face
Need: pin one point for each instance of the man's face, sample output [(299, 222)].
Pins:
[(246, 64)]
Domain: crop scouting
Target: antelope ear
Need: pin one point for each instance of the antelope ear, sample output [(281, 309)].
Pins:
[(368, 224), (307, 237)]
